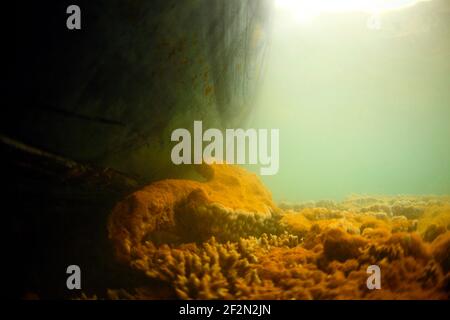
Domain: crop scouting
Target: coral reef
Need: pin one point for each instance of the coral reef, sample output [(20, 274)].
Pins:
[(230, 204), (226, 239)]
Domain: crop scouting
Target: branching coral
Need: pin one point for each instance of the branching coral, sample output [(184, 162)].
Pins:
[(225, 239), (211, 270)]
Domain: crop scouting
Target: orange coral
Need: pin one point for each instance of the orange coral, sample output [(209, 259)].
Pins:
[(441, 251), (226, 239), (339, 245), (154, 213)]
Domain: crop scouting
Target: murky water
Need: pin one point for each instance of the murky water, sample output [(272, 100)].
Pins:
[(359, 111)]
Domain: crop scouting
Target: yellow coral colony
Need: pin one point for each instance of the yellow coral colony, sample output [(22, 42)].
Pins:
[(226, 239)]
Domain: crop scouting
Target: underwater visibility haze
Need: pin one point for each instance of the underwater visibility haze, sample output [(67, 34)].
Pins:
[(360, 110)]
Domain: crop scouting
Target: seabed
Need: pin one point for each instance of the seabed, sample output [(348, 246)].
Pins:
[(226, 239)]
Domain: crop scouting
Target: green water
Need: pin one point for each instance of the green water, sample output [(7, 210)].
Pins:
[(359, 111)]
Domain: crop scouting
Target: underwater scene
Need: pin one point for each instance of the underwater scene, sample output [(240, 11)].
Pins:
[(229, 150), (226, 239)]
